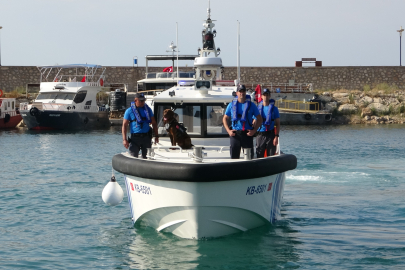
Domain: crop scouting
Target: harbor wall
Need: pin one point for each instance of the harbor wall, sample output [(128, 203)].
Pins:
[(326, 78)]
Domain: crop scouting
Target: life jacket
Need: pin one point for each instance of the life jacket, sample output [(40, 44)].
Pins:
[(269, 116), (179, 126), (138, 117), (243, 118)]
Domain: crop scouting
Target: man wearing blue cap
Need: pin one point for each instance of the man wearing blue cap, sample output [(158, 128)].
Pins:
[(139, 116), (242, 111), (267, 136)]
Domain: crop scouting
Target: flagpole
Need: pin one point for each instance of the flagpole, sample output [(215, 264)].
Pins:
[(238, 52), (177, 43)]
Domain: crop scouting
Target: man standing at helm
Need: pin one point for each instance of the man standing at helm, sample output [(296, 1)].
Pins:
[(267, 137), (242, 111), (139, 116)]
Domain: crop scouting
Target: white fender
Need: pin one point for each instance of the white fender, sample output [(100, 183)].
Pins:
[(112, 193)]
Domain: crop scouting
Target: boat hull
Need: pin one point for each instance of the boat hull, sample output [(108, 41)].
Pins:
[(12, 122), (305, 118), (198, 210), (66, 120)]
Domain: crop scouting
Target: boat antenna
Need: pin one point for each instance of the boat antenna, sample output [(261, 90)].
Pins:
[(238, 52), (209, 10), (177, 43)]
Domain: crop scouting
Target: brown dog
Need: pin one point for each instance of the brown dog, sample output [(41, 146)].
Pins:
[(176, 131)]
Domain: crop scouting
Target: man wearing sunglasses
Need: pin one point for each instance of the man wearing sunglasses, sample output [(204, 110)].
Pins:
[(241, 112), (139, 116)]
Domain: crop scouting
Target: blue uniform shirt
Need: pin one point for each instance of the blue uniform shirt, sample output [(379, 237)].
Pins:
[(238, 125), (276, 114), (135, 126)]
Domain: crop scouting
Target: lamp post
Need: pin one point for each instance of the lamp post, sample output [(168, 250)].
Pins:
[(400, 37), (1, 27)]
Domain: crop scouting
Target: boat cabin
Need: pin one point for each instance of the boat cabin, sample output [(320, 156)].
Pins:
[(7, 105), (199, 108)]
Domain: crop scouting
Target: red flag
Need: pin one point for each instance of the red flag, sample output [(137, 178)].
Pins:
[(258, 93), (168, 69), (84, 78)]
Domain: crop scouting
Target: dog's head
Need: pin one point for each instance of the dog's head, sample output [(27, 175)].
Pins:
[(168, 116)]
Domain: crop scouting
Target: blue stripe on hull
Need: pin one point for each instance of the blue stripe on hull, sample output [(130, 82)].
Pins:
[(129, 199), (276, 200)]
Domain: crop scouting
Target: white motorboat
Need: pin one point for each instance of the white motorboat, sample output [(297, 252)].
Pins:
[(68, 99), (202, 192)]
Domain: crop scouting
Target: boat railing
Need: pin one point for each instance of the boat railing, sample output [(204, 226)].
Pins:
[(82, 79), (168, 148), (11, 113), (297, 106), (285, 87), (163, 75)]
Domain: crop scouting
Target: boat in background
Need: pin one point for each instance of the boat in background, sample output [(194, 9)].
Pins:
[(10, 116), (68, 99)]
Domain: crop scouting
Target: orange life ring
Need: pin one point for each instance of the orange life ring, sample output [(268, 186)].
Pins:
[(1, 93), (101, 81)]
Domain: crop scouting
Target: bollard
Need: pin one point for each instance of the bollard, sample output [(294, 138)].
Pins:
[(150, 153), (247, 152), (198, 154)]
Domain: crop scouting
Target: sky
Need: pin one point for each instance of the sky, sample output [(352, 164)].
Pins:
[(272, 33)]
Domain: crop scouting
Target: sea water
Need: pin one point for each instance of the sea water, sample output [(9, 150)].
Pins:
[(343, 207)]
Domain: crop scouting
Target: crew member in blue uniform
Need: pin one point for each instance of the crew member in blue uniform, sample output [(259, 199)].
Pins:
[(139, 116), (267, 138), (242, 112)]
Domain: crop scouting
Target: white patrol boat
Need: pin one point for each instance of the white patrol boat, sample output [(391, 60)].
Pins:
[(68, 99), (201, 192)]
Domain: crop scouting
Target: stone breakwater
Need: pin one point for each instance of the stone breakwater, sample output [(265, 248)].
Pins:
[(360, 107), (326, 78)]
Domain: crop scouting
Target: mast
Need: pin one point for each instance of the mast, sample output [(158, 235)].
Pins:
[(238, 52), (208, 65), (177, 43)]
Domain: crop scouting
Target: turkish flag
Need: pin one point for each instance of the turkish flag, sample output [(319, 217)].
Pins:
[(168, 69), (258, 93)]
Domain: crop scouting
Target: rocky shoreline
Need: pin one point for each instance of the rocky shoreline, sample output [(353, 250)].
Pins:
[(365, 107), (354, 106)]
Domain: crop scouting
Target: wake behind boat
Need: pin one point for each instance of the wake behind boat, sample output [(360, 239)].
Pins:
[(68, 99), (200, 192)]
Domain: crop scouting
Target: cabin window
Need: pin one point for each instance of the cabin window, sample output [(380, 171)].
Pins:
[(201, 120), (64, 96), (12, 105), (68, 96), (190, 116), (203, 84), (80, 96), (215, 115)]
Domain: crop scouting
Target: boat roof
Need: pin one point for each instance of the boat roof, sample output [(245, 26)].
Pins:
[(72, 66), (218, 94), (170, 57)]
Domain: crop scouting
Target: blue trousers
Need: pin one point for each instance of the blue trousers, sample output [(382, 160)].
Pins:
[(241, 141), (140, 143)]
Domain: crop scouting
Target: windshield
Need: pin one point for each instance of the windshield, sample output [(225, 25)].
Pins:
[(64, 96), (201, 120)]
